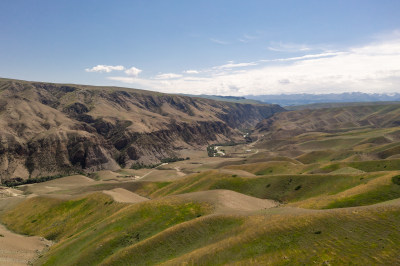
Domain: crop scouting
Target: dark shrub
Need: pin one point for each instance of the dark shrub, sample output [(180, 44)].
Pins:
[(396, 179)]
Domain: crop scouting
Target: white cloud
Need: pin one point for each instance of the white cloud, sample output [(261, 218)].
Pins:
[(304, 57), (192, 71), (231, 64), (104, 68), (371, 68), (133, 71), (284, 81), (168, 76)]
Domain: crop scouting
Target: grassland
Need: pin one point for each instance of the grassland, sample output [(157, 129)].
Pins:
[(331, 238), (95, 225), (172, 231), (293, 189)]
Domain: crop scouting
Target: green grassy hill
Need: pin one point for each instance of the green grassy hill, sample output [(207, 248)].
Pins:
[(94, 230), (297, 189)]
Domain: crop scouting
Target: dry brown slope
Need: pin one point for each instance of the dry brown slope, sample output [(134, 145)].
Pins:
[(228, 201), (331, 119), (125, 196), (49, 128), (17, 249)]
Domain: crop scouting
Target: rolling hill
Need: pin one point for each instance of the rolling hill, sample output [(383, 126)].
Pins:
[(331, 119)]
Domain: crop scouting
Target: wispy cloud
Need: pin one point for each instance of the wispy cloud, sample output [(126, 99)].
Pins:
[(232, 64), (304, 57), (191, 71), (218, 41), (133, 71), (247, 38), (104, 68), (290, 47), (373, 67), (168, 76)]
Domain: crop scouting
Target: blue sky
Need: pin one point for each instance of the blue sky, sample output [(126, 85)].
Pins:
[(213, 47)]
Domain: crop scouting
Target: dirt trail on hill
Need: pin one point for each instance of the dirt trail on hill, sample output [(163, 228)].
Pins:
[(17, 249), (179, 172), (125, 196), (227, 201)]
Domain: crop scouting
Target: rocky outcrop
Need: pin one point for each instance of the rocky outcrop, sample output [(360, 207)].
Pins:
[(48, 129)]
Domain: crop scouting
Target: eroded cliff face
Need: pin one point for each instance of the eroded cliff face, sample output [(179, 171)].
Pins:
[(48, 129)]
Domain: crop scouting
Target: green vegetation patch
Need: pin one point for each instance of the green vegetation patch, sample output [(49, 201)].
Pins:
[(193, 183), (396, 180), (270, 168), (92, 228), (315, 156), (128, 227), (137, 166), (378, 165), (347, 170), (334, 143), (330, 238), (380, 194), (212, 151), (291, 188), (366, 166), (283, 188), (178, 241), (389, 152), (142, 188), (175, 232), (55, 219), (325, 156), (19, 181)]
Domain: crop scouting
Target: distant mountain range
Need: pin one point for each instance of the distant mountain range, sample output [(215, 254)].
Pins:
[(302, 99)]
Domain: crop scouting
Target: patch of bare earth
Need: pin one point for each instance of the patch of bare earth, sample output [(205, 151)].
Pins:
[(17, 249), (227, 201), (125, 196)]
